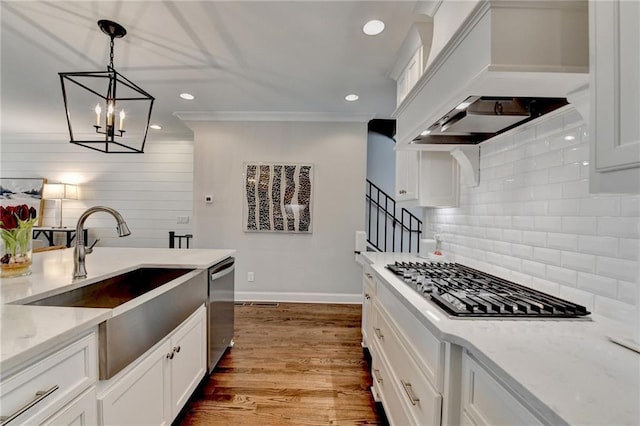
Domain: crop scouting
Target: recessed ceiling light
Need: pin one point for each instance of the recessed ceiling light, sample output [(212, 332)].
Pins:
[(187, 96), (155, 127), (351, 97), (373, 27)]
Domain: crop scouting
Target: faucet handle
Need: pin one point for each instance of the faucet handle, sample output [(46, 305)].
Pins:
[(89, 249)]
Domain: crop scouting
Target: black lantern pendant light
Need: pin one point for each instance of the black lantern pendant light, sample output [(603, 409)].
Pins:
[(105, 110)]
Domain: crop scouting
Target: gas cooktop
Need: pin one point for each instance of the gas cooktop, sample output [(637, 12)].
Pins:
[(462, 291)]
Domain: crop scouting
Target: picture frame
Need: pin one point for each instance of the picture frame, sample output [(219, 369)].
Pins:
[(16, 191), (278, 197)]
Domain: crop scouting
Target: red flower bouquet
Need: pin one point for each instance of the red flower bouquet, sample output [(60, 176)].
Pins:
[(16, 229)]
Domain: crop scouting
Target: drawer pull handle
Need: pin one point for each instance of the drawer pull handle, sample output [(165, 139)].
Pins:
[(176, 349), (377, 375), (369, 275), (379, 334), (170, 355), (40, 395), (409, 390)]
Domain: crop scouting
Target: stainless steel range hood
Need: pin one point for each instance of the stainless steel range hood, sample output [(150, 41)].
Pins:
[(479, 118)]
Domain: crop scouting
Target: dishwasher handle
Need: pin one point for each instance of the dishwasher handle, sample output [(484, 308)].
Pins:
[(221, 269)]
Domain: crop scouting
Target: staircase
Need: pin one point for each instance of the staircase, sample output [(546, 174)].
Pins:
[(390, 230)]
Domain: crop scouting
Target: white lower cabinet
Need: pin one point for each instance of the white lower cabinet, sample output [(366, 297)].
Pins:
[(368, 294), (485, 401), (401, 379), (83, 411), (48, 389), (154, 390)]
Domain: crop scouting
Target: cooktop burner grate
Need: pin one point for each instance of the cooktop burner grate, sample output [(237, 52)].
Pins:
[(466, 292)]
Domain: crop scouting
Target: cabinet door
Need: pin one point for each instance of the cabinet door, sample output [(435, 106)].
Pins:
[(439, 179), (139, 398), (407, 175), (615, 91), (188, 361), (83, 411), (368, 294), (486, 402)]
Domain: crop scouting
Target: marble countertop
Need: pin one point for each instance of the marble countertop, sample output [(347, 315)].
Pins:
[(567, 370), (26, 331)]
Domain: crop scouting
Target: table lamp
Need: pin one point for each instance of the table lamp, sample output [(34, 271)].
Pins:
[(59, 192)]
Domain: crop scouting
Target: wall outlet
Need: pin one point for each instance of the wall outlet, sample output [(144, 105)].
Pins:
[(250, 277), (182, 220), (208, 199)]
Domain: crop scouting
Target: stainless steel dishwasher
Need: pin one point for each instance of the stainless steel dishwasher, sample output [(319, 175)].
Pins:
[(220, 303)]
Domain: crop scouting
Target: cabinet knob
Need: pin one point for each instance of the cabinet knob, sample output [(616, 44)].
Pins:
[(378, 332), (170, 355), (176, 349), (366, 296)]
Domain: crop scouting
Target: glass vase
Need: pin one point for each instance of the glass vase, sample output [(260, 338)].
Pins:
[(16, 250)]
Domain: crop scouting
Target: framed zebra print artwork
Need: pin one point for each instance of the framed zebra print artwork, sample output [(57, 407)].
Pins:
[(278, 197)]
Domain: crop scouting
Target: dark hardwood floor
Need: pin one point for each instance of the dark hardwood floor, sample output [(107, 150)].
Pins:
[(294, 364)]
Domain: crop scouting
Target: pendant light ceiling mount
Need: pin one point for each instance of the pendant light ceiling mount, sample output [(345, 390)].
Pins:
[(109, 91)]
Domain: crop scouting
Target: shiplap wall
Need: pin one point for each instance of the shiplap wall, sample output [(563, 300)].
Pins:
[(150, 190), (533, 220)]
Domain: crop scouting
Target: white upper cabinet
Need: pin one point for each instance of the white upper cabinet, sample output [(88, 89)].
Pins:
[(615, 96), (409, 76)]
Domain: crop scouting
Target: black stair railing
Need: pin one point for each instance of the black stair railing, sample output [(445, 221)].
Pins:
[(386, 230)]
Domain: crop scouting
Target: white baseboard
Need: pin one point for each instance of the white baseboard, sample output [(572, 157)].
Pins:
[(256, 296)]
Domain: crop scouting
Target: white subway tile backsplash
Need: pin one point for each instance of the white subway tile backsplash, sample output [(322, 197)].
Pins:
[(546, 255), (562, 241), (563, 207), (546, 286), (628, 249), (630, 206), (624, 227), (522, 251), (502, 247), (614, 309), (534, 238), (578, 261), (562, 275), (627, 291), (576, 154), (579, 225), (533, 219), (535, 269), (605, 246), (548, 223), (578, 189), (512, 235), (600, 206), (564, 173), (621, 269), (597, 284), (522, 222)]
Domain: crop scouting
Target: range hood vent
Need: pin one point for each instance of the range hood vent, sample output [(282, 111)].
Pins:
[(479, 118), (508, 62)]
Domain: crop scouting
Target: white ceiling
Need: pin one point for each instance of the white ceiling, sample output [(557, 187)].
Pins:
[(301, 56)]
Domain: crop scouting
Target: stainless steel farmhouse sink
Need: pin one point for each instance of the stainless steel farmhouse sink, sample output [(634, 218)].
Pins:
[(132, 331)]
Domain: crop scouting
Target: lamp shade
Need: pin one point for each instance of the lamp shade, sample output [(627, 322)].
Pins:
[(60, 191)]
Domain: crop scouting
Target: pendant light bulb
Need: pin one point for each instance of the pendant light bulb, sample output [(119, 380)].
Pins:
[(98, 110)]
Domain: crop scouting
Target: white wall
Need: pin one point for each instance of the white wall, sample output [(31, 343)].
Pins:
[(304, 267), (533, 220), (148, 189)]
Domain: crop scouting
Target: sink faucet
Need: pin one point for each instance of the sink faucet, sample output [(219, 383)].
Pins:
[(80, 251)]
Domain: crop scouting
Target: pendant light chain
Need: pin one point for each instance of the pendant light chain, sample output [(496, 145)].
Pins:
[(111, 44)]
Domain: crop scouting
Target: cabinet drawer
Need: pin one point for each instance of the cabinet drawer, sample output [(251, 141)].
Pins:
[(369, 284), (83, 411), (49, 384), (383, 386), (487, 402), (426, 347), (423, 402)]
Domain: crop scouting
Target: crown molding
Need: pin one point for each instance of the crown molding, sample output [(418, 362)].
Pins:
[(272, 116)]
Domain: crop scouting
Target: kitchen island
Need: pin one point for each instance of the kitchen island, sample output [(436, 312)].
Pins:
[(32, 336), (558, 371)]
